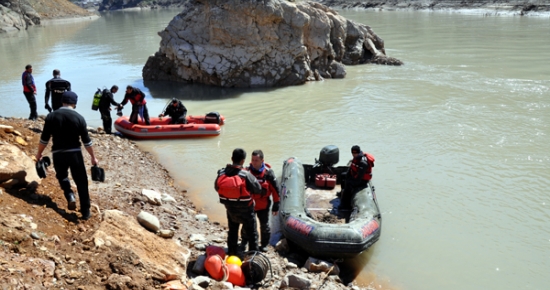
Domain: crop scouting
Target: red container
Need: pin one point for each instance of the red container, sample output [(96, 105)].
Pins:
[(325, 180)]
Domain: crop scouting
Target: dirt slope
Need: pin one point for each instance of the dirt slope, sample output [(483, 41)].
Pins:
[(58, 9)]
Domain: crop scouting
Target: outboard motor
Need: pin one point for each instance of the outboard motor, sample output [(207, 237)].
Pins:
[(329, 155)]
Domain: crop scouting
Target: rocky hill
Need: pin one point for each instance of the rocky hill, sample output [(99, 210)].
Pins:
[(487, 7), (19, 14), (518, 7)]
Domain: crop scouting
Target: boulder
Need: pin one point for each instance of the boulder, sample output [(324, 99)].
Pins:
[(232, 43), (156, 254), (149, 221), (16, 165)]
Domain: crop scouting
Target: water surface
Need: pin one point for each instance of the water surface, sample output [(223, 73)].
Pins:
[(460, 133)]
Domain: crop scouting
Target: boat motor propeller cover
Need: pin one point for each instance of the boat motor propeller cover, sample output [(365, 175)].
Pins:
[(42, 165), (212, 118), (329, 155)]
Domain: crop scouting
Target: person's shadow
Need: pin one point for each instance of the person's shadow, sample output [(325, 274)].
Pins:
[(29, 195)]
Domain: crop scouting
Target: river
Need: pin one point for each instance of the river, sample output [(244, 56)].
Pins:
[(460, 133)]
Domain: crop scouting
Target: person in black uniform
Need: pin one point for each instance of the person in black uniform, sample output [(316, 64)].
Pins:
[(235, 187), (139, 107), (56, 87), (177, 112), (67, 127), (105, 108)]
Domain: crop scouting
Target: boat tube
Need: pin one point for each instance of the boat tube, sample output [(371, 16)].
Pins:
[(321, 239), (160, 128)]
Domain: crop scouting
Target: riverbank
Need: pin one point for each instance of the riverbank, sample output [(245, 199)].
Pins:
[(43, 245), (486, 8)]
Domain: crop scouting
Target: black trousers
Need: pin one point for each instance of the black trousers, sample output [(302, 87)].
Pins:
[(107, 120), (62, 162), (134, 116), (351, 188), (32, 104), (57, 101), (178, 119), (265, 230), (237, 215)]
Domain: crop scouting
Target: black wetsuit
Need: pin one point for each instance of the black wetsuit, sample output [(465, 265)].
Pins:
[(56, 87), (105, 109)]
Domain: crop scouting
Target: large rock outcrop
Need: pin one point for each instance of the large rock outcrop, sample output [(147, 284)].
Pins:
[(233, 43), (17, 15)]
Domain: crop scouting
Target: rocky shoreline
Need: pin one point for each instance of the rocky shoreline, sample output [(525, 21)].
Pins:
[(43, 245), (483, 7)]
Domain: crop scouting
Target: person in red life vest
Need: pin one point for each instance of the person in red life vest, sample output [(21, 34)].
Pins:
[(266, 177), (139, 107), (29, 90), (357, 176), (235, 187)]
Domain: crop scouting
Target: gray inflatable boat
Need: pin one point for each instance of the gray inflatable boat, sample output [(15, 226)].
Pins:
[(310, 218)]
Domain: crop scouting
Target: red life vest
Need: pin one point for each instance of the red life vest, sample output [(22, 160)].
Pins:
[(262, 200), (233, 188), (354, 167)]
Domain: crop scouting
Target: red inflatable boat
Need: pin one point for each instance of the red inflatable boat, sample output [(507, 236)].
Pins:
[(197, 126)]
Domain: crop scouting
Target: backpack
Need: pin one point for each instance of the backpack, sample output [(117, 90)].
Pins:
[(230, 187), (97, 98)]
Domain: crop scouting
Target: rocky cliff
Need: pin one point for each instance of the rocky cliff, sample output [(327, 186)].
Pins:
[(261, 44), (17, 15), (487, 7), (123, 4)]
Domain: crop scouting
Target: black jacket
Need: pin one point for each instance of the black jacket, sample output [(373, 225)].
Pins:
[(175, 112), (107, 100), (56, 87), (67, 127)]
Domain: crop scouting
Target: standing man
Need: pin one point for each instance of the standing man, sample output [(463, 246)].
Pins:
[(266, 177), (56, 87), (357, 177), (29, 90), (235, 187), (67, 127), (105, 107), (139, 107), (177, 111)]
